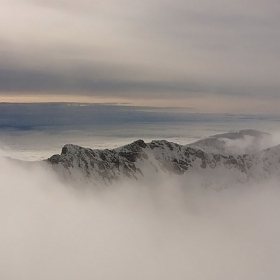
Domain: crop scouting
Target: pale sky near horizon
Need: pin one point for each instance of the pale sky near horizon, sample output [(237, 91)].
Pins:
[(214, 56)]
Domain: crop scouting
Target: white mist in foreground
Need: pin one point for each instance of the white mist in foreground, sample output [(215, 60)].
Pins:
[(165, 230)]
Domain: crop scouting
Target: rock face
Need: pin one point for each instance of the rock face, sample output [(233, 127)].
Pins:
[(140, 160)]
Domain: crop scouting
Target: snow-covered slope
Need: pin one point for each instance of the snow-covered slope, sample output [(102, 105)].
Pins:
[(235, 143), (265, 164)]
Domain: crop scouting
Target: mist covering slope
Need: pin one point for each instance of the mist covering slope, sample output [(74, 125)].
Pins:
[(230, 158), (155, 223), (246, 141)]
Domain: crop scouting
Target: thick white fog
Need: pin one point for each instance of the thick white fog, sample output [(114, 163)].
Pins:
[(164, 229)]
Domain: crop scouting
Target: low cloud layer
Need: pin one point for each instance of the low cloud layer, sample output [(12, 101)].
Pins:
[(139, 49), (164, 229)]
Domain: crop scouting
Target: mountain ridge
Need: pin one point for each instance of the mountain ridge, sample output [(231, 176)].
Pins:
[(139, 159)]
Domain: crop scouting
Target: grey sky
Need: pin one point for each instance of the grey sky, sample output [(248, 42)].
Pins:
[(166, 50)]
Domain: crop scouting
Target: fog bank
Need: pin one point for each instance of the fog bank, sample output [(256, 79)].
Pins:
[(164, 229)]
